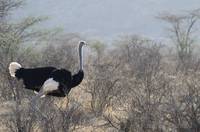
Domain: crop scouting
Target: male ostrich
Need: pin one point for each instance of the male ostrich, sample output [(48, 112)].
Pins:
[(48, 80)]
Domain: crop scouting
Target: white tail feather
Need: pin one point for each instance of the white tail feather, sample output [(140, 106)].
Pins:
[(13, 67)]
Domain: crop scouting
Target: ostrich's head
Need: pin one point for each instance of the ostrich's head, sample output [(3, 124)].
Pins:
[(82, 43)]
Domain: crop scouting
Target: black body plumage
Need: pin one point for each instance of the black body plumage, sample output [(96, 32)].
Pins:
[(33, 79), (77, 78)]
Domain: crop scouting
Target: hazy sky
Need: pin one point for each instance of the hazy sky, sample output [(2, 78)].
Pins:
[(106, 18)]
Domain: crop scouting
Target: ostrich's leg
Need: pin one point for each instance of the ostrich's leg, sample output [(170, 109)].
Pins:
[(40, 96), (33, 103), (48, 86)]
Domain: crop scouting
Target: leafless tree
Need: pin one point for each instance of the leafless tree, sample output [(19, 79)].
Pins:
[(182, 31), (102, 79)]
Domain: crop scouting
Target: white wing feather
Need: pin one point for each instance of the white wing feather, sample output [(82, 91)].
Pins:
[(50, 85)]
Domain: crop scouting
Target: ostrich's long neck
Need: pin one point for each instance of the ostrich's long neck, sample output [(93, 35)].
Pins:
[(78, 77), (80, 57)]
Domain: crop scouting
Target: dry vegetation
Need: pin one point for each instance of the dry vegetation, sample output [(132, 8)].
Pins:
[(137, 85)]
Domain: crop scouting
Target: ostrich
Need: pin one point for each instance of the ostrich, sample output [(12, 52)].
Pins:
[(48, 80)]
